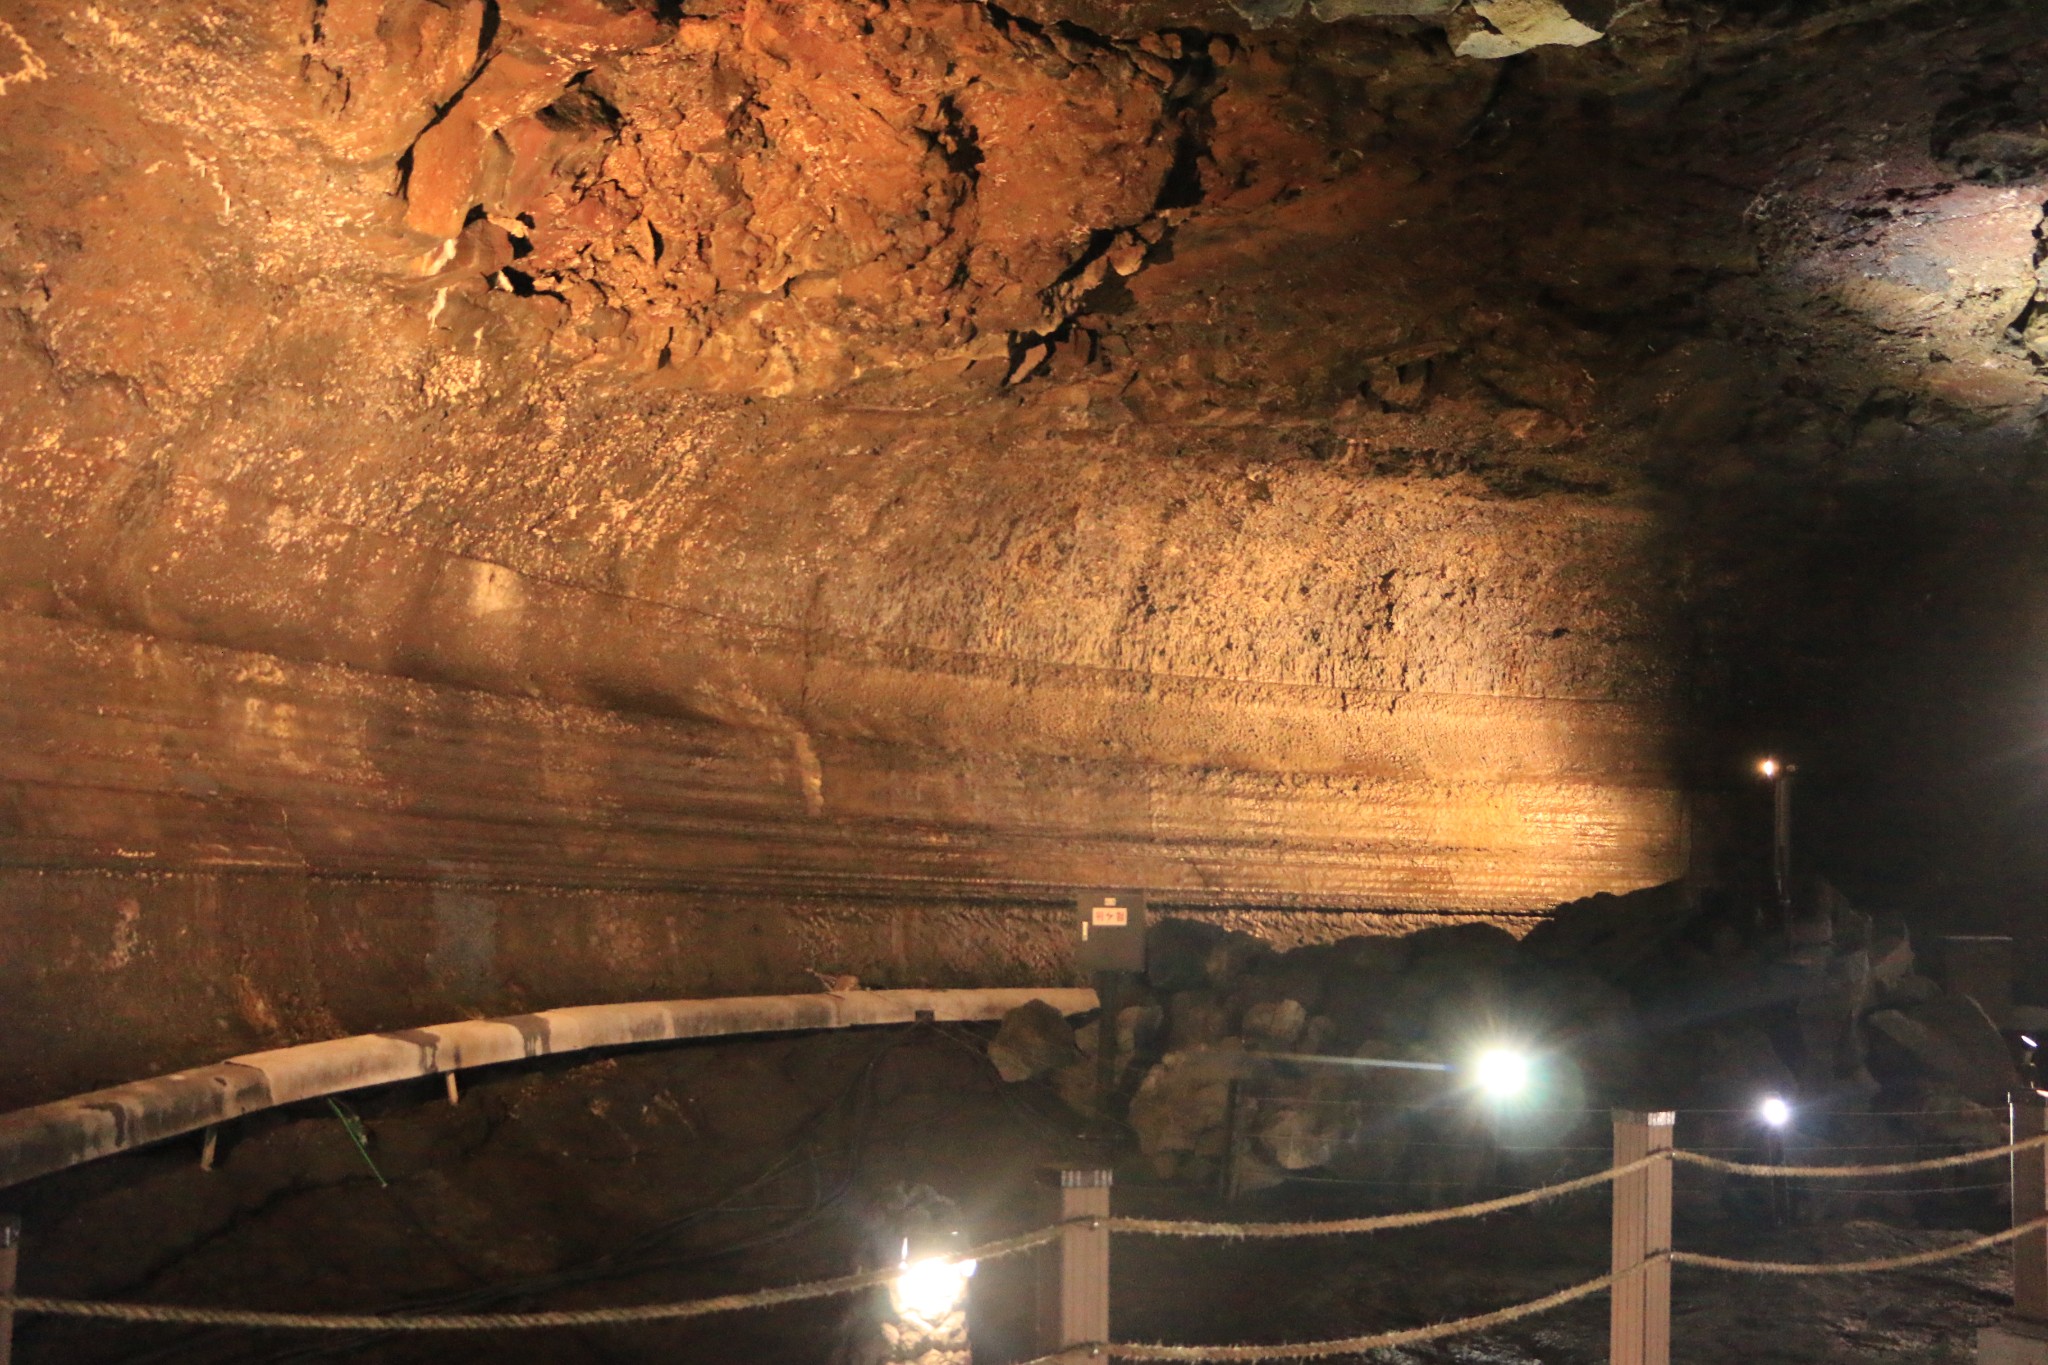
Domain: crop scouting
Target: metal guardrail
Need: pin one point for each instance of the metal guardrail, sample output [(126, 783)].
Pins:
[(51, 1137)]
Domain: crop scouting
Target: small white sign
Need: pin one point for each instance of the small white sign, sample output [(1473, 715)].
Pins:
[(1112, 916)]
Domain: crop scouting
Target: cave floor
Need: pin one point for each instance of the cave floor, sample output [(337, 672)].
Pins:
[(695, 1170)]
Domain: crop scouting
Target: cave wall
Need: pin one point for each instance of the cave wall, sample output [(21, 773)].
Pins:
[(745, 466), (112, 975), (180, 969), (1087, 695), (222, 849)]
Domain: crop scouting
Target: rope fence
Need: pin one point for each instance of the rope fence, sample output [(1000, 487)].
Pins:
[(1387, 1222), (1642, 1194), (1877, 1265), (491, 1322), (1500, 1317), (1313, 1350), (1939, 1163)]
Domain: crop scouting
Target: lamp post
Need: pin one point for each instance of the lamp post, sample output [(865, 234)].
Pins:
[(1776, 1116), (926, 1322), (1779, 775)]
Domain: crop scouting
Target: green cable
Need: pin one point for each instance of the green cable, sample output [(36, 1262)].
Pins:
[(353, 1126)]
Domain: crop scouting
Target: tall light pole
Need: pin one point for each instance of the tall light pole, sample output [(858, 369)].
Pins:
[(1779, 775)]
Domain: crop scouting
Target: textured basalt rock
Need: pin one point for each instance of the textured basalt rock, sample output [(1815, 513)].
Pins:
[(778, 199), (936, 455), (1665, 999), (815, 191)]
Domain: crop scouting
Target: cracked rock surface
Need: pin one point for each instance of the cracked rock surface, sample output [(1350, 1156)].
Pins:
[(498, 491)]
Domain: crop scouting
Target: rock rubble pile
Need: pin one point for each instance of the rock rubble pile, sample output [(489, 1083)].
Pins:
[(1234, 1057)]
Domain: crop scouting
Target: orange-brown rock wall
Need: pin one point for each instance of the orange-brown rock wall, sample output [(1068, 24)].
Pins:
[(115, 975), (924, 455)]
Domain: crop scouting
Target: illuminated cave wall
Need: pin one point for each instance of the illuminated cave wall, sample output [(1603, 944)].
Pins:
[(521, 505)]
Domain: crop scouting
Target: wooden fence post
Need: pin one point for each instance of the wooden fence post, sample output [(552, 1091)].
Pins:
[(1640, 1302), (10, 1258), (2029, 1202), (1081, 1306), (2022, 1339)]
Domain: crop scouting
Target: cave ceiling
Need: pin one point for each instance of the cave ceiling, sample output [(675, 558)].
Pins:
[(930, 449)]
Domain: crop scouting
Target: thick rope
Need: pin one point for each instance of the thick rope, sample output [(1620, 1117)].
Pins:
[(1947, 1253), (1314, 1350), (849, 1284), (1939, 1163), (1160, 1227), (480, 1322), (1311, 1350), (1156, 1227)]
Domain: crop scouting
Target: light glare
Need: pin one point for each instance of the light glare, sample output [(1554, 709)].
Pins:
[(1501, 1072), (933, 1287), (1775, 1112), (1769, 767)]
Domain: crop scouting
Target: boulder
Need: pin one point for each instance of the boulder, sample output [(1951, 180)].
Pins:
[(1183, 1104), (1472, 947), (1140, 1030), (1987, 1072), (1622, 938), (1197, 1018), (1237, 956), (1251, 1173), (1906, 991), (1737, 1064), (1298, 975), (1950, 1118), (1513, 27), (1275, 1025), (1355, 994), (1891, 951), (1598, 1018), (1901, 1048), (1953, 1045), (1034, 1039), (1177, 953), (1079, 1086), (1302, 1137), (1361, 957), (1828, 1011)]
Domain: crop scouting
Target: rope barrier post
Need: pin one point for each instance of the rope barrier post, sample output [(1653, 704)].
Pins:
[(1080, 1311), (10, 1259), (1640, 1302), (2029, 1203), (2023, 1338)]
